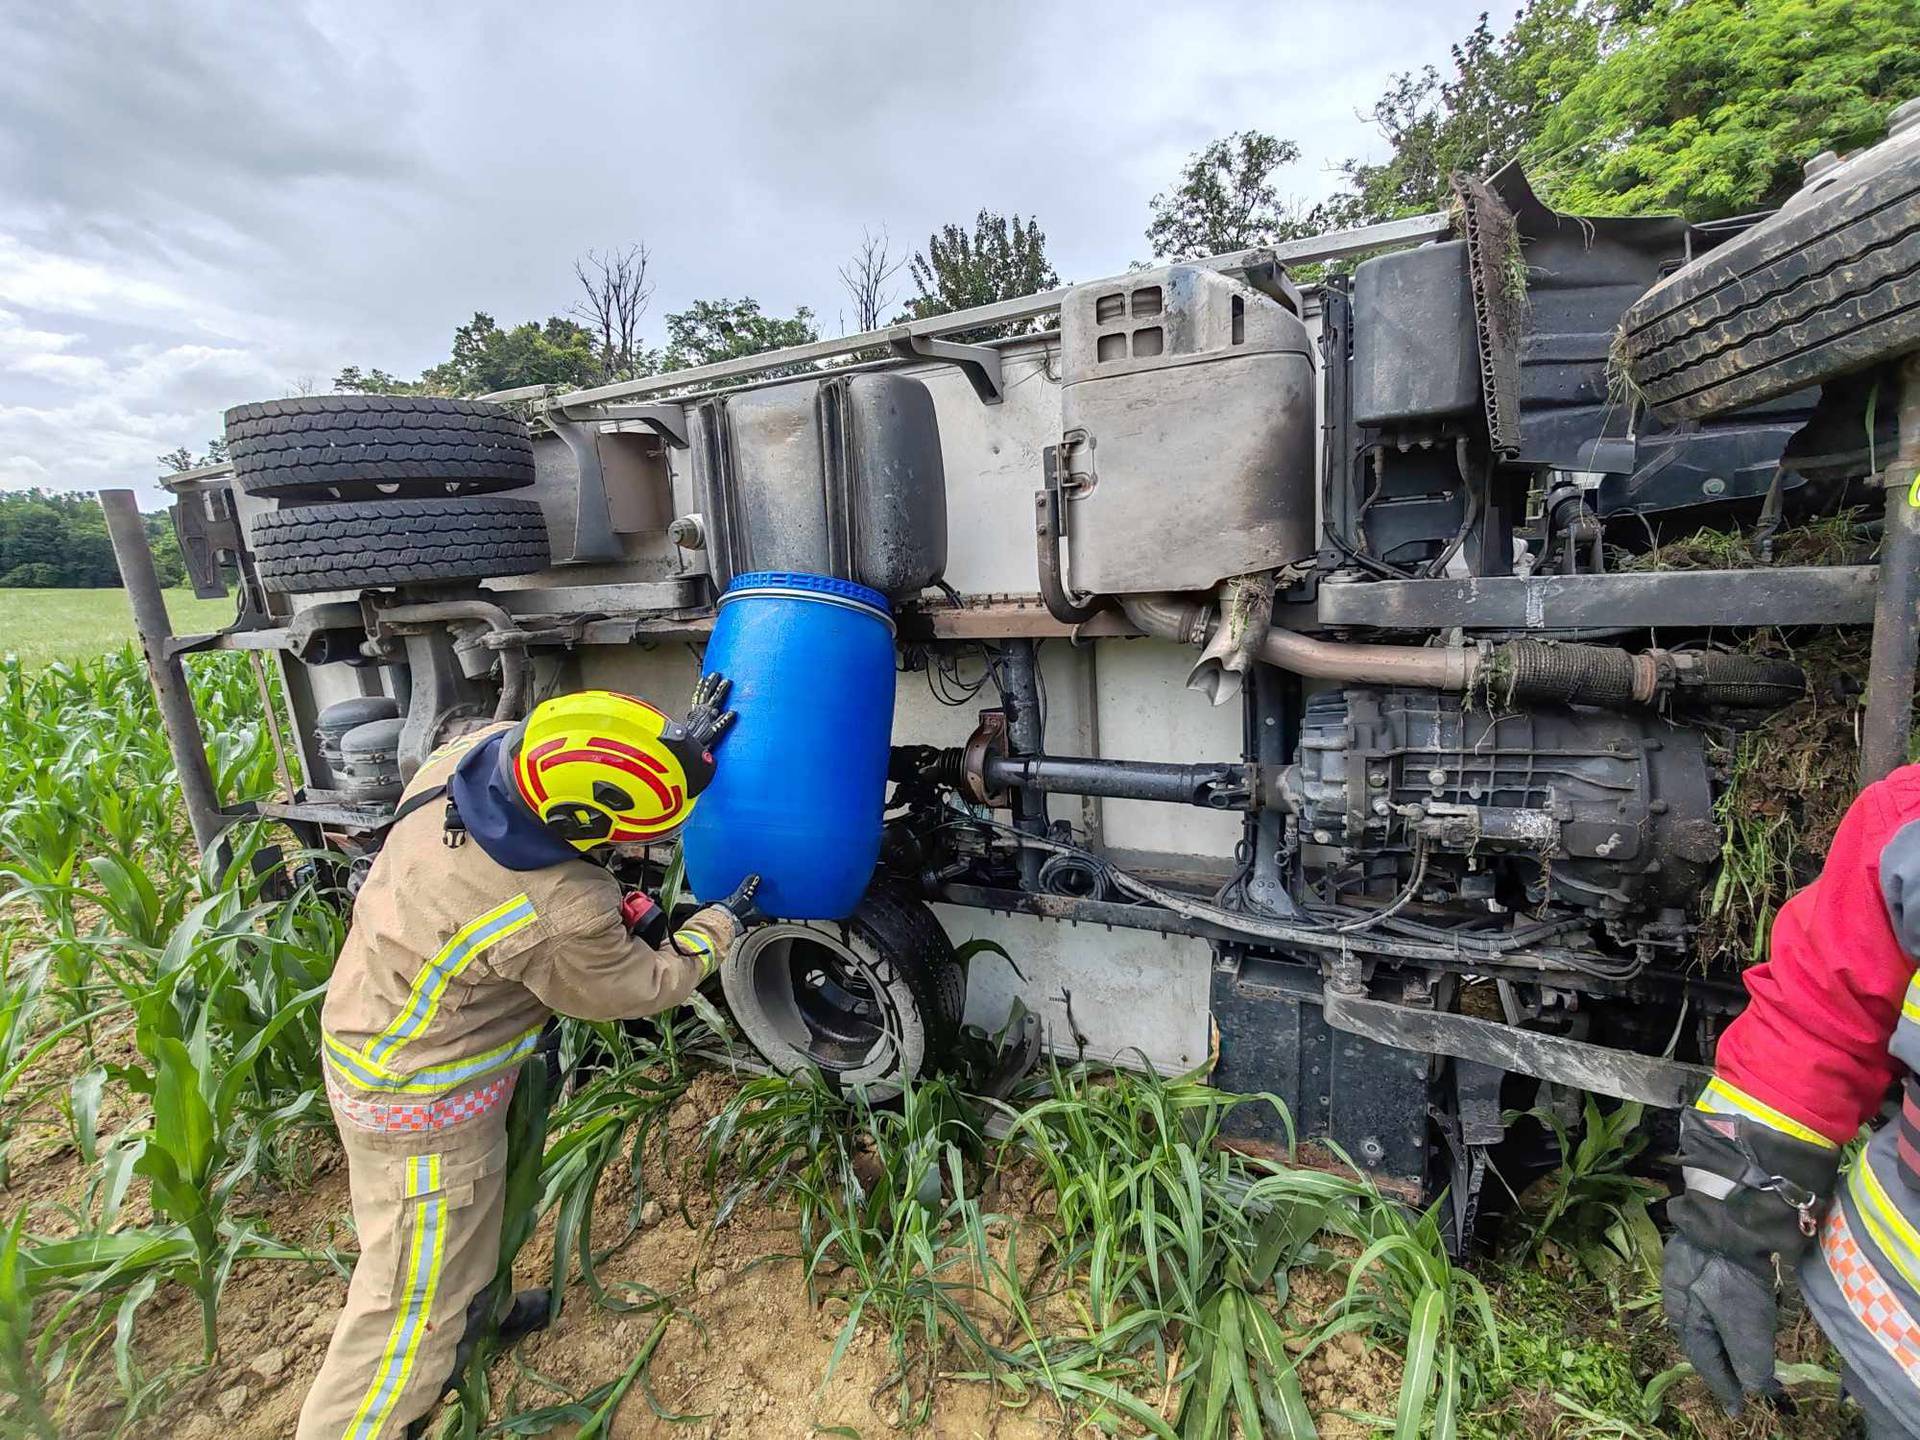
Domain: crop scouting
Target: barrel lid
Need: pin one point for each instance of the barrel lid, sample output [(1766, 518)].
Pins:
[(791, 580)]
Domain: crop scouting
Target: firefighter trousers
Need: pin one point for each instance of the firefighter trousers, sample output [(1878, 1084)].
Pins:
[(428, 1209)]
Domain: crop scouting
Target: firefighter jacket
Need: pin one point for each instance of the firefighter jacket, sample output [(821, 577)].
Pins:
[(1833, 1022), (455, 961)]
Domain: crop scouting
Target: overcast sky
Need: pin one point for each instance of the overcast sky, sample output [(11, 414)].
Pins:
[(202, 205)]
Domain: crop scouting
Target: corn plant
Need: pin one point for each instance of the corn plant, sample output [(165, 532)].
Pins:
[(1590, 1206), (886, 1220), (1403, 1288), (19, 1006), (618, 1109), (195, 1156), (23, 1377), (1176, 1246)]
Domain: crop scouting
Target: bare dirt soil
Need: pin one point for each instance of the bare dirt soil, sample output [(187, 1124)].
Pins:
[(747, 1353)]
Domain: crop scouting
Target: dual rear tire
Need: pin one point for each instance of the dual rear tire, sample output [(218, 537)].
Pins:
[(386, 490)]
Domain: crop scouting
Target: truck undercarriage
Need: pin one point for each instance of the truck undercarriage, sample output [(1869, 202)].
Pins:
[(1284, 689)]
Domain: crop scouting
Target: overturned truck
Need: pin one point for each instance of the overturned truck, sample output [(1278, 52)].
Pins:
[(1272, 691)]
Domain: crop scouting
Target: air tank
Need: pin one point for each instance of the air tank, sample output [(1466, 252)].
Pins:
[(800, 787)]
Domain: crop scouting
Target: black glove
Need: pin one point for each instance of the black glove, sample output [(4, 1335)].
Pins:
[(1752, 1193), (742, 906), (707, 718), (692, 740)]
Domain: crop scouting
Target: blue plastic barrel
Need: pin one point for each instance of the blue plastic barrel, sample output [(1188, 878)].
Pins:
[(801, 782)]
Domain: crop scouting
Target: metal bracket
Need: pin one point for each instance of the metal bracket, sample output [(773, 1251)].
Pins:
[(980, 363), (1270, 278), (593, 533), (669, 422), (209, 535), (1626, 1076), (1049, 529)]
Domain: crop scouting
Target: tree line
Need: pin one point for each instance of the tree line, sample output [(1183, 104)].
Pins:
[(60, 541)]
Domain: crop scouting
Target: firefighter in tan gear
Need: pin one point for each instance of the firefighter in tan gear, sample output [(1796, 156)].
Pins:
[(481, 917)]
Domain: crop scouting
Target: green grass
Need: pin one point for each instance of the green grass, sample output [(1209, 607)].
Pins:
[(44, 625)]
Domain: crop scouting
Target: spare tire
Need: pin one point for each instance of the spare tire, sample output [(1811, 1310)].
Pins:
[(354, 544), (1828, 285), (321, 447), (872, 1003)]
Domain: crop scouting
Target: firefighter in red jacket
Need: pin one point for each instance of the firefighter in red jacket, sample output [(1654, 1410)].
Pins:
[(1834, 1021)]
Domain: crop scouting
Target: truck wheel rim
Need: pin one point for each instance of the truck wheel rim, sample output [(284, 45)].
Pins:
[(808, 996)]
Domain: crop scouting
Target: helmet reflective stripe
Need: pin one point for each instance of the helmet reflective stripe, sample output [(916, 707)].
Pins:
[(596, 768)]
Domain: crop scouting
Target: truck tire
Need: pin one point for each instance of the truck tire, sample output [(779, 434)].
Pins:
[(1828, 285), (873, 1002), (356, 544), (346, 447)]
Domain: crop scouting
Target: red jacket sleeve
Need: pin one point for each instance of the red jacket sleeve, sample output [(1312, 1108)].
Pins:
[(1812, 1044)]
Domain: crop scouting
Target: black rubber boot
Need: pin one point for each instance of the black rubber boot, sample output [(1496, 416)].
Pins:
[(530, 1311)]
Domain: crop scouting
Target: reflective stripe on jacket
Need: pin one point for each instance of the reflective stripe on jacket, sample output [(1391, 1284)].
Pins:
[(454, 962)]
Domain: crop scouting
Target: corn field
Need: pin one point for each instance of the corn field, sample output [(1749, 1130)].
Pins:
[(1096, 1262)]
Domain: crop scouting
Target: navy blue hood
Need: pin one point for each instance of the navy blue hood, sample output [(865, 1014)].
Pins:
[(483, 791)]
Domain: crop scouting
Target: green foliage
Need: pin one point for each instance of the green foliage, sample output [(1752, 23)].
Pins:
[(887, 1221), (562, 353), (1225, 200), (1173, 1252), (616, 1108), (352, 380), (1492, 104), (1001, 259), (54, 540), (22, 1376), (60, 542), (1705, 107), (1711, 107), (709, 331), (485, 357), (224, 1075), (182, 459), (1591, 1207)]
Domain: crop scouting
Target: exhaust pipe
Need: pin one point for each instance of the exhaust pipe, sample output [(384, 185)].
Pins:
[(1192, 622), (1517, 672)]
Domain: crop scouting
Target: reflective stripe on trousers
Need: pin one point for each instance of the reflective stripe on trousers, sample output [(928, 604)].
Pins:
[(428, 1209), (1862, 1281)]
